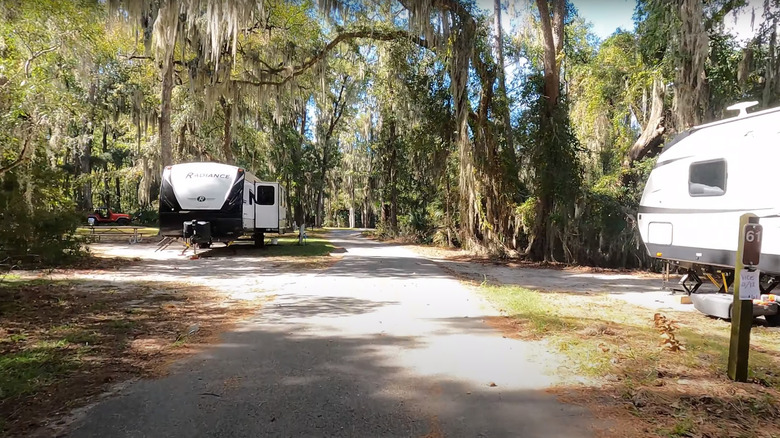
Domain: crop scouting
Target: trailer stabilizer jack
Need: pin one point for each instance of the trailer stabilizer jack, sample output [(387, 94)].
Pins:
[(690, 282)]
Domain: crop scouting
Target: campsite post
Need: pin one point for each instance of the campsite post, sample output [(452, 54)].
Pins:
[(748, 253)]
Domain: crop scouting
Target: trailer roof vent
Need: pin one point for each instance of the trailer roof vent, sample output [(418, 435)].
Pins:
[(742, 107)]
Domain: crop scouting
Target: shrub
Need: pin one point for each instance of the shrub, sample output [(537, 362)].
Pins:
[(41, 234), (149, 216)]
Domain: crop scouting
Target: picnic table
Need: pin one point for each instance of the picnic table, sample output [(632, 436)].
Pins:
[(98, 231)]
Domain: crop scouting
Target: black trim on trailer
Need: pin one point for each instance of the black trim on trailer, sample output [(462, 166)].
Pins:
[(663, 210), (664, 163), (223, 225), (770, 263), (234, 202), (168, 201)]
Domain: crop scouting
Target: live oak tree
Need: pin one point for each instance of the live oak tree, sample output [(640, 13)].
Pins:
[(426, 118)]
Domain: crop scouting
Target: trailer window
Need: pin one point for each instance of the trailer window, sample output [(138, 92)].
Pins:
[(707, 178), (265, 195)]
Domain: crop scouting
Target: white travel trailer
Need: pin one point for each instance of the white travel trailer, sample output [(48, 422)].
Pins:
[(703, 181), (207, 202)]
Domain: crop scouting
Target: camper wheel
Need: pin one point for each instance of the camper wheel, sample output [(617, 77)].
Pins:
[(773, 320), (259, 240)]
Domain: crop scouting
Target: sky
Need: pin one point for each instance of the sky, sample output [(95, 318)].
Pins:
[(609, 15), (606, 15)]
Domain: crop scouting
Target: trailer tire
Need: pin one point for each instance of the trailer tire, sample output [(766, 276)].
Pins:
[(772, 320)]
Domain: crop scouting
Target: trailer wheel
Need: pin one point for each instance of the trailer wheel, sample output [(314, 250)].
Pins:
[(772, 320), (204, 245)]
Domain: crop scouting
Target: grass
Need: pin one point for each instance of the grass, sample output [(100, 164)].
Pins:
[(288, 247), (29, 370), (617, 347), (287, 253)]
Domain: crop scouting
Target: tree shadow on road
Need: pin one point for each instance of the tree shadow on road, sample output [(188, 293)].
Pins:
[(274, 377)]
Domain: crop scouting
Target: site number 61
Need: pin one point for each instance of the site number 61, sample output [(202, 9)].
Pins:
[(751, 253), (753, 235)]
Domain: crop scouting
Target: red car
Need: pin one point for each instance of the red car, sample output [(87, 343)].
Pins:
[(104, 215)]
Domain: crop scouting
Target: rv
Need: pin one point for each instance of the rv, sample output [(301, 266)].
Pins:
[(213, 202), (702, 182)]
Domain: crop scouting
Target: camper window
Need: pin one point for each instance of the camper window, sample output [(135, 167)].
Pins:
[(265, 195), (707, 178)]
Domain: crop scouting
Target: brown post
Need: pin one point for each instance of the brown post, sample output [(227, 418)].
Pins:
[(741, 313)]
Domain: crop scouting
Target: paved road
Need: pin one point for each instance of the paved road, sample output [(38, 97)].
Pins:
[(384, 343)]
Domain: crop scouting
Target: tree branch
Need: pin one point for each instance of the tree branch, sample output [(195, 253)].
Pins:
[(652, 135), (721, 13), (338, 109), (34, 56), (20, 159), (295, 71)]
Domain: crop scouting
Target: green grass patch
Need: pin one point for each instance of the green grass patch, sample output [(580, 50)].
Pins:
[(122, 325), (288, 247), (24, 372), (678, 393)]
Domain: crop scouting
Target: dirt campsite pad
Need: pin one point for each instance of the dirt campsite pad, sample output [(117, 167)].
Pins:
[(129, 311), (62, 342)]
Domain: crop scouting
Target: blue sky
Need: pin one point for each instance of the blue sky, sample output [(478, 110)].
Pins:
[(607, 15)]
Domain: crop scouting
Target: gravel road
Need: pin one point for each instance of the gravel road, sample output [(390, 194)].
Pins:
[(382, 344)]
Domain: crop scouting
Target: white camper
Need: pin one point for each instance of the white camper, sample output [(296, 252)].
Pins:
[(207, 202), (703, 181)]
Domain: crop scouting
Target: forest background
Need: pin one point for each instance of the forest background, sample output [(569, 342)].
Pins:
[(425, 119)]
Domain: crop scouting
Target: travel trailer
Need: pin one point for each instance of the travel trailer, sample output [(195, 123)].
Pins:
[(209, 202), (703, 181)]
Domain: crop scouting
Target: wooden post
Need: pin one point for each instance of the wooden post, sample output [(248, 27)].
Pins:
[(741, 314)]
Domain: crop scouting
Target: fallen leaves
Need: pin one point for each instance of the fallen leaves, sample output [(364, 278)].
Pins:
[(667, 327)]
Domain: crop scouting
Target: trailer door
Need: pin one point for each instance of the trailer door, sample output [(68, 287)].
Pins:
[(248, 211), (266, 206), (282, 208)]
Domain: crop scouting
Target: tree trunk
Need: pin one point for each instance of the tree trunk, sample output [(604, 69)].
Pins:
[(86, 170), (182, 143), (145, 185), (770, 69), (463, 47), (690, 102), (652, 135), (106, 179), (298, 205), (391, 179), (552, 39), (351, 203), (320, 207), (118, 194), (227, 144), (165, 112), (502, 94)]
